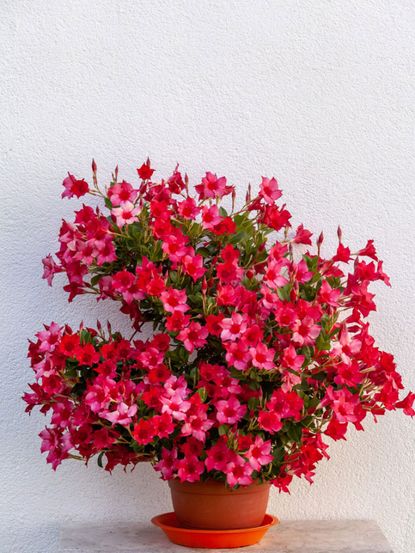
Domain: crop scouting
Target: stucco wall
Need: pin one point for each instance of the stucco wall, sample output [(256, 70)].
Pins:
[(319, 93)]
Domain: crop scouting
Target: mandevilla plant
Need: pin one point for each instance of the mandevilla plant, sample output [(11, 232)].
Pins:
[(260, 347)]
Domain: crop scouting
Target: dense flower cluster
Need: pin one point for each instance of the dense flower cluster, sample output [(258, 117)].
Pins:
[(260, 347)]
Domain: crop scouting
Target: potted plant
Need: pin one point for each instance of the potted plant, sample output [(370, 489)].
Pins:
[(259, 350)]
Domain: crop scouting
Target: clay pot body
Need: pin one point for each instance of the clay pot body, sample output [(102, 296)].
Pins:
[(211, 505)]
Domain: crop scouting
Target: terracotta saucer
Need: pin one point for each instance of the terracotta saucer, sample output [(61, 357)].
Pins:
[(213, 539)]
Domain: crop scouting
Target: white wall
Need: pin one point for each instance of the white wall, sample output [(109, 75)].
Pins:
[(318, 92)]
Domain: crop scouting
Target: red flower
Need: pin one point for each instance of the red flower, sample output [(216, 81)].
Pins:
[(145, 171), (74, 187)]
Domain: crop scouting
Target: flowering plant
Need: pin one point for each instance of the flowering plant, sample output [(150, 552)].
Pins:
[(260, 347)]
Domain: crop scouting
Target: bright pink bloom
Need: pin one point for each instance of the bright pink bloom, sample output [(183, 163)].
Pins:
[(210, 217), (259, 453), (346, 347), (49, 338), (233, 327), (188, 209), (174, 300), (291, 360), (194, 336), (218, 456), (238, 355), (346, 406), (328, 295), (286, 404), (229, 411), (175, 405), (238, 472), (262, 357), (174, 245), (305, 332), (269, 190), (126, 214), (167, 463), (212, 186), (121, 193), (122, 414), (197, 424), (193, 266), (57, 444), (273, 277), (50, 269), (190, 469), (74, 187)]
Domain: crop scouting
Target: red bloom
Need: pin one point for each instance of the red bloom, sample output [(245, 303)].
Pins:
[(145, 171), (144, 431), (74, 187)]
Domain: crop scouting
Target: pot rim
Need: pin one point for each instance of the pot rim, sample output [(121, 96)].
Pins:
[(214, 487)]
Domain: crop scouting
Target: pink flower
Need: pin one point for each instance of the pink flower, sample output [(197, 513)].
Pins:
[(237, 354), (259, 453), (346, 406), (273, 277), (194, 336), (328, 295), (218, 456), (74, 187), (174, 300), (305, 332), (190, 469), (229, 411), (188, 208), (210, 217), (98, 394), (121, 193), (239, 472), (193, 266), (197, 425), (48, 338), (174, 245), (167, 463), (212, 186), (346, 347), (286, 404), (57, 444), (175, 405), (233, 327), (50, 269), (262, 357), (269, 190), (291, 360), (125, 214), (122, 414)]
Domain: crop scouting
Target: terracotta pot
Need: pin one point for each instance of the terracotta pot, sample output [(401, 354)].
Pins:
[(211, 505)]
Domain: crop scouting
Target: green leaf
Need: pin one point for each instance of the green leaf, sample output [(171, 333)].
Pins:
[(99, 460), (223, 429), (202, 393)]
